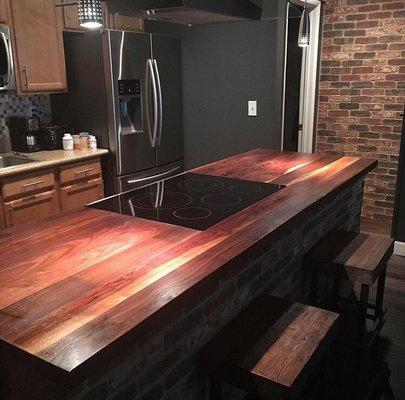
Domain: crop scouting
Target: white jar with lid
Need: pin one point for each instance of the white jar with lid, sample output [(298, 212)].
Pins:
[(92, 142), (67, 141)]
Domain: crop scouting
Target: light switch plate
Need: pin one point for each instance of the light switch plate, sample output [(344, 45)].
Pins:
[(252, 108)]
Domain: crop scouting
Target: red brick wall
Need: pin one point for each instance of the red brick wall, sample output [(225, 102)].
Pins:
[(362, 90)]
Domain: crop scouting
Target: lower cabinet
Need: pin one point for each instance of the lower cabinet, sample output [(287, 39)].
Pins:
[(2, 221), (35, 196), (31, 208), (82, 193)]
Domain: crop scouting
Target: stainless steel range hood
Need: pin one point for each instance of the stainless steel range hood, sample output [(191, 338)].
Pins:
[(188, 12)]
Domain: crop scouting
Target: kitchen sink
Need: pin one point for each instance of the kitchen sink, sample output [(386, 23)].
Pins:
[(7, 160)]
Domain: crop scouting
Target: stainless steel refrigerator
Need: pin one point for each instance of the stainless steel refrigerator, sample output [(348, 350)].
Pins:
[(125, 88)]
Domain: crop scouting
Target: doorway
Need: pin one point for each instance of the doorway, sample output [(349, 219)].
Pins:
[(300, 79)]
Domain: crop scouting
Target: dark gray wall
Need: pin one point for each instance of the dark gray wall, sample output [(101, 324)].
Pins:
[(224, 66)]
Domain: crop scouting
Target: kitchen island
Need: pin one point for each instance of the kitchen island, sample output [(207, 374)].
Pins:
[(98, 305)]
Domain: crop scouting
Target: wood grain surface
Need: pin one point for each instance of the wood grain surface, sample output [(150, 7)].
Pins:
[(270, 347), (358, 257), (80, 287)]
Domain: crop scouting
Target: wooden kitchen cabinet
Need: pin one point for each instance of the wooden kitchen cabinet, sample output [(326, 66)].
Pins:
[(38, 195), (71, 19), (31, 208), (4, 12), (81, 184), (29, 198), (30, 183), (79, 172), (80, 194), (126, 23), (38, 46), (2, 220)]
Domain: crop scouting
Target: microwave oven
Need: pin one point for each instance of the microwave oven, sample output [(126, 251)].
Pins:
[(7, 78)]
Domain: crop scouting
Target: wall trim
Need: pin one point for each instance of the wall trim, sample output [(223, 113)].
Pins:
[(399, 249)]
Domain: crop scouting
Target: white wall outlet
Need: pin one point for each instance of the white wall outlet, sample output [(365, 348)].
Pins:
[(252, 108)]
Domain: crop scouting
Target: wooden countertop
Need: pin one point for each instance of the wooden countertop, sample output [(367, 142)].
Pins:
[(47, 159), (82, 285)]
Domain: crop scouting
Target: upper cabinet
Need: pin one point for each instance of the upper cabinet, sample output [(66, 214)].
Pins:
[(37, 39), (125, 23), (3, 12), (70, 18), (38, 46)]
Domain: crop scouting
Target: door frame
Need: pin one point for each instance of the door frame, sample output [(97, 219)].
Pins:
[(309, 75)]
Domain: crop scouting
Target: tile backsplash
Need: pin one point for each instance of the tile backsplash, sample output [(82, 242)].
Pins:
[(16, 106)]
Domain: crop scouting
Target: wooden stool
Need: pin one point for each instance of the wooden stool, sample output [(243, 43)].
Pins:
[(269, 349), (357, 257)]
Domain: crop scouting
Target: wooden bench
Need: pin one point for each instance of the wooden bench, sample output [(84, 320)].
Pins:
[(270, 349), (360, 258)]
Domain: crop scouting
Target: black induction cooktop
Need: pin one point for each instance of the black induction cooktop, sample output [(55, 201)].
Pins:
[(191, 200)]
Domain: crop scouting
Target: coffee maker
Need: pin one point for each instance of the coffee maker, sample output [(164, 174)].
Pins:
[(25, 134), (52, 136)]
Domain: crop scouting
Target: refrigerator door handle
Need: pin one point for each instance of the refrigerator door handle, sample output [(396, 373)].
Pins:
[(151, 80), (160, 102), (154, 177)]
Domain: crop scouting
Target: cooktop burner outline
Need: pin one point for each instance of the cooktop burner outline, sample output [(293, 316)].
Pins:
[(205, 213), (205, 184), (208, 200), (183, 200)]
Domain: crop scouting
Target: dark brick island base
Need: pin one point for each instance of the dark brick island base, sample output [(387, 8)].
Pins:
[(166, 365)]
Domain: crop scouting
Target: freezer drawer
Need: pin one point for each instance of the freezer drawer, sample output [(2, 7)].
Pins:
[(135, 181)]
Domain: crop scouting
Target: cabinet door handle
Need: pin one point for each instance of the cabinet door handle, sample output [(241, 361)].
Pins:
[(27, 185), (32, 199), (25, 71), (85, 184), (84, 171)]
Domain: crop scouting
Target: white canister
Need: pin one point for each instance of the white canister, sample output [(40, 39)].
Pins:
[(67, 141), (92, 142)]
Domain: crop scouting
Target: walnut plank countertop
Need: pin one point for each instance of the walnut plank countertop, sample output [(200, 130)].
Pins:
[(48, 159), (80, 287)]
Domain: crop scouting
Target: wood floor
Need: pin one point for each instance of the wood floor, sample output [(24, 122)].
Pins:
[(392, 342)]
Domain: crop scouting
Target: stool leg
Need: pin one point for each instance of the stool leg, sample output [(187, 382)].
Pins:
[(380, 293), (215, 389), (335, 293), (326, 379), (388, 392), (314, 288), (363, 351), (363, 305)]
